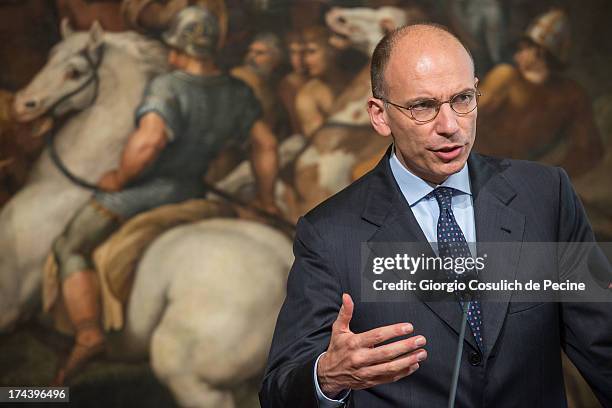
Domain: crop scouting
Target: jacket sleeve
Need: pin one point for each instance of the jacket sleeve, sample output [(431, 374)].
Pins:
[(303, 328)]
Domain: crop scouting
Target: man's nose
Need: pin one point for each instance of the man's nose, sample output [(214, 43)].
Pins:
[(446, 121)]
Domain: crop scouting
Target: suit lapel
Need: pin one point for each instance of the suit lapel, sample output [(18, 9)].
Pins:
[(499, 233), (495, 221), (387, 208)]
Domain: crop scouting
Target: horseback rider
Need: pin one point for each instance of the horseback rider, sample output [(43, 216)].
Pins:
[(185, 118)]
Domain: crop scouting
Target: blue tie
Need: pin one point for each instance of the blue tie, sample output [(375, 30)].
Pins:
[(452, 243)]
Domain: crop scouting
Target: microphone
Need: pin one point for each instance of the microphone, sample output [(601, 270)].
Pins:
[(457, 367), (465, 297)]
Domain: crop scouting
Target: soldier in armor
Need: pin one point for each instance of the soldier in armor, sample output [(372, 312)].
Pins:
[(532, 111), (152, 17), (185, 118)]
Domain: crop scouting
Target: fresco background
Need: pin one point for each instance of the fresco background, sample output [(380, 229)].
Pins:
[(29, 28)]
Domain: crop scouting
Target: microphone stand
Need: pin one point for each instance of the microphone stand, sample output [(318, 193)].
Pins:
[(455, 380)]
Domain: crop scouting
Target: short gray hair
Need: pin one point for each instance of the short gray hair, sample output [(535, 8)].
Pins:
[(271, 40)]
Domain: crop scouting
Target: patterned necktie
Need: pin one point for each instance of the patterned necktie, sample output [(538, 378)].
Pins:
[(452, 243)]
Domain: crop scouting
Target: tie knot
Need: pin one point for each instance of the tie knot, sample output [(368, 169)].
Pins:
[(444, 196)]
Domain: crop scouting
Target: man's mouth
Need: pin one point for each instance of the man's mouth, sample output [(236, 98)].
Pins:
[(448, 153)]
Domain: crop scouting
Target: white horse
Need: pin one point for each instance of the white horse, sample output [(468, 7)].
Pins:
[(206, 295), (89, 144), (363, 28)]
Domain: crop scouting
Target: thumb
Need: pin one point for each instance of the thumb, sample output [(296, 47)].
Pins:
[(345, 314)]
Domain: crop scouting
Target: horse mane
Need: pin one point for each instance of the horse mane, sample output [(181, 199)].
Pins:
[(149, 52)]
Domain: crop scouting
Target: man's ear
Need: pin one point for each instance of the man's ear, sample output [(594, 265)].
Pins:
[(378, 116), (476, 81)]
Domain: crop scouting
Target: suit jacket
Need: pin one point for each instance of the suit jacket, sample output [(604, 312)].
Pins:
[(514, 202)]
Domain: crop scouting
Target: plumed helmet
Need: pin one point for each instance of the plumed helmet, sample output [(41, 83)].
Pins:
[(551, 32), (194, 31)]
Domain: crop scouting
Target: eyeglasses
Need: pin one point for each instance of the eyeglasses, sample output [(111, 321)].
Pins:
[(426, 110)]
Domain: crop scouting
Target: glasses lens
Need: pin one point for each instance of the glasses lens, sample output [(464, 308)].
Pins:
[(464, 102), (425, 110)]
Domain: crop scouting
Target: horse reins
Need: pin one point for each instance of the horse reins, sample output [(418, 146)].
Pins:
[(281, 222), (57, 160)]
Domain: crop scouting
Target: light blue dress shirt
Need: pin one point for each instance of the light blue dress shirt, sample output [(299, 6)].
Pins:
[(426, 211)]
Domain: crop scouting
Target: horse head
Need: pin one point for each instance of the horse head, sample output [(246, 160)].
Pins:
[(109, 70), (69, 80), (363, 27)]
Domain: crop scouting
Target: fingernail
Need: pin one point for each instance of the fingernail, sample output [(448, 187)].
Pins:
[(421, 356), (408, 328), (420, 341)]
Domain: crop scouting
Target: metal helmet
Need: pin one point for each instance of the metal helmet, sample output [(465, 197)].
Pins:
[(194, 31), (551, 32)]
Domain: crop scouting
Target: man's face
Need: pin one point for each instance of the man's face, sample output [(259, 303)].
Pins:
[(315, 58), (262, 58), (433, 150), (296, 57), (527, 56)]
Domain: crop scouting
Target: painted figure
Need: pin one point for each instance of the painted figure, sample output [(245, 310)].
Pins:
[(532, 111), (179, 131), (181, 274), (184, 272), (261, 72), (345, 139), (315, 99), (291, 83), (152, 17)]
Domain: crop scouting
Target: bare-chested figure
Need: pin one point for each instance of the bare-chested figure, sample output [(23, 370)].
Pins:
[(291, 83), (315, 99), (532, 111)]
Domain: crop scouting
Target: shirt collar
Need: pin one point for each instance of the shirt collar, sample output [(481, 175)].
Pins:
[(415, 188)]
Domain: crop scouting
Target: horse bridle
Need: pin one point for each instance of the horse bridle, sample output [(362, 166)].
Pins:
[(61, 166), (95, 78)]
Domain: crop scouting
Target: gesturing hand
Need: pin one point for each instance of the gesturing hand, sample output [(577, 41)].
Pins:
[(357, 361)]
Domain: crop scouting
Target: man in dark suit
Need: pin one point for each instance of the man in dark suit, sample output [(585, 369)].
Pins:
[(330, 351)]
